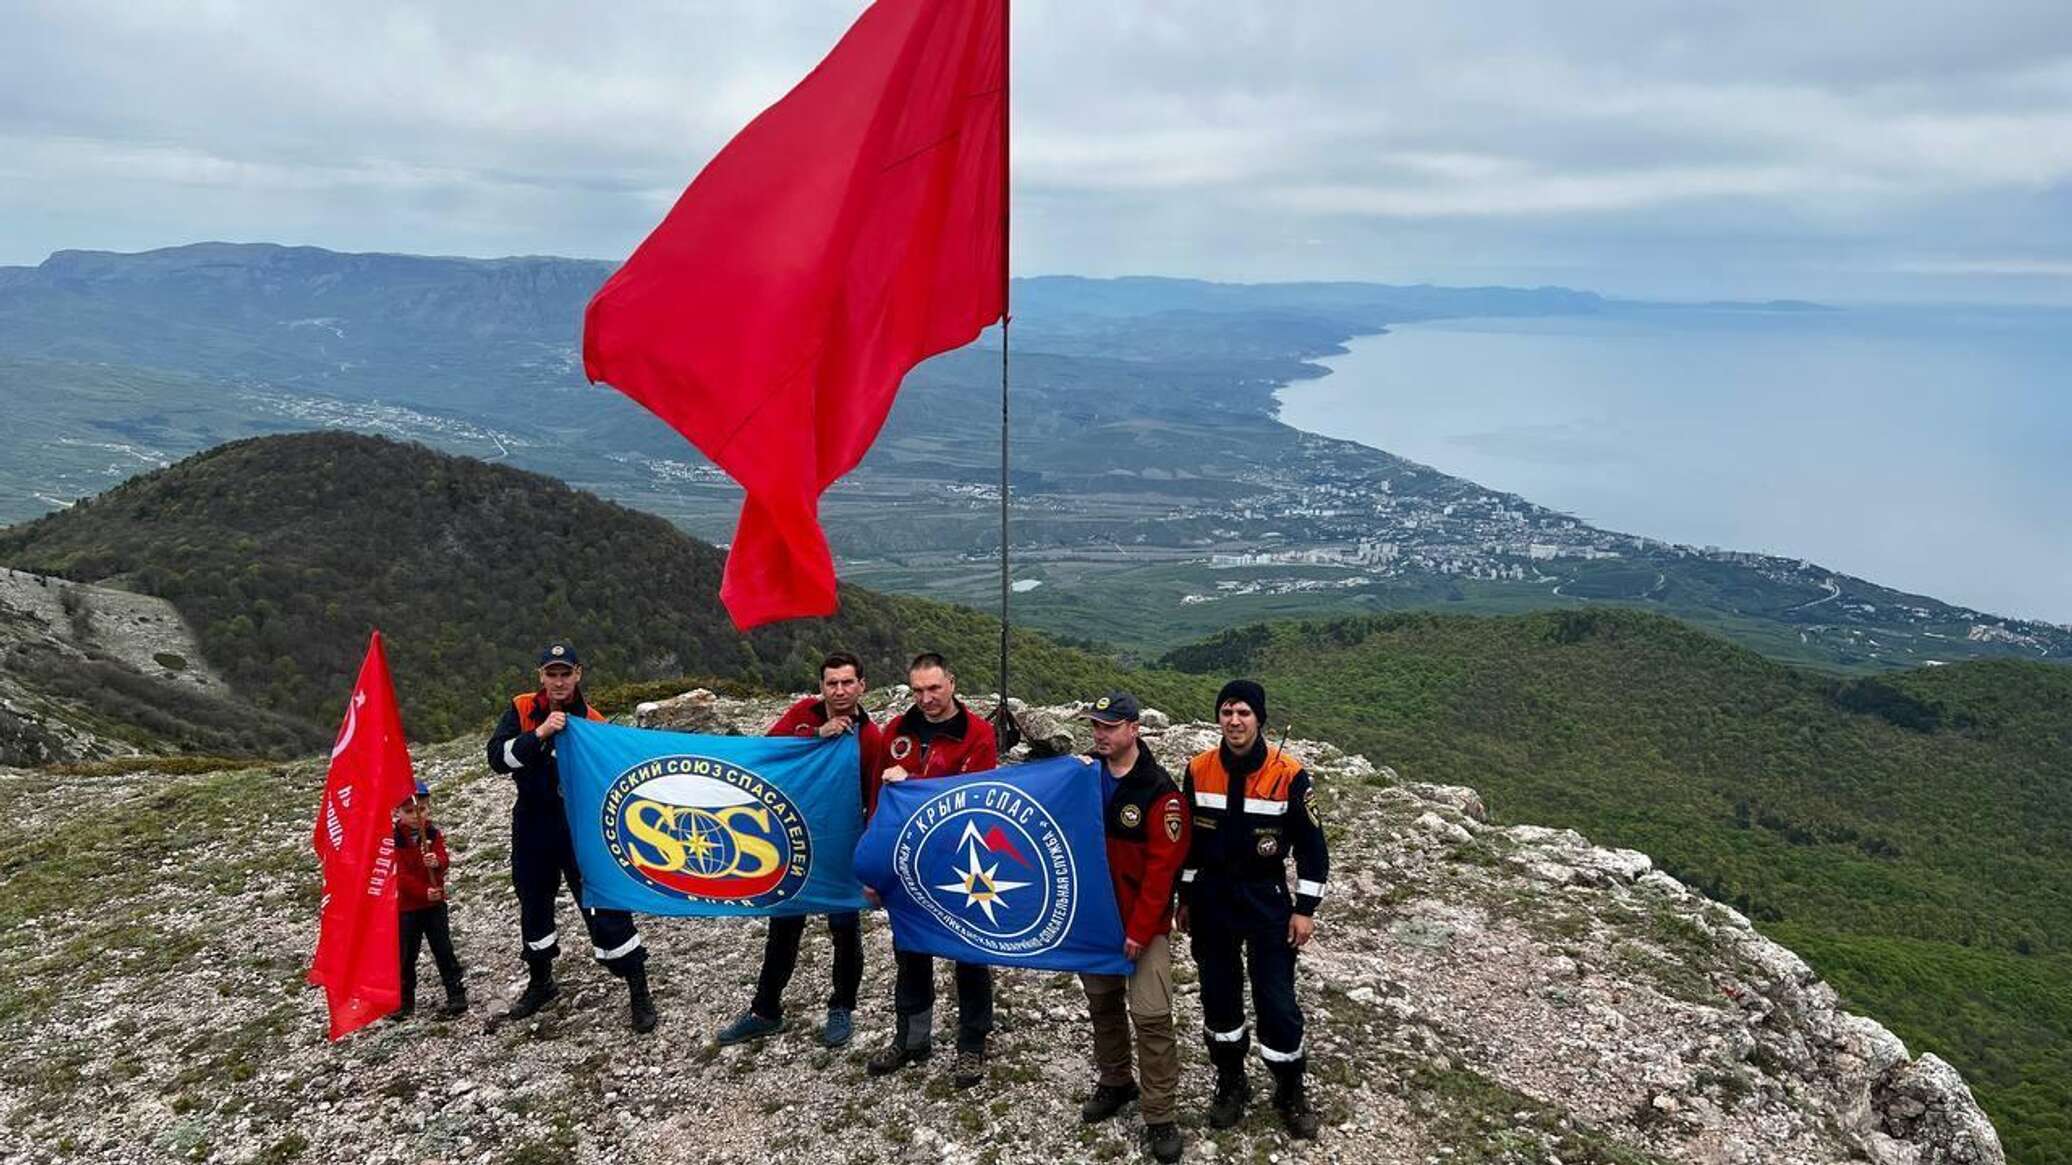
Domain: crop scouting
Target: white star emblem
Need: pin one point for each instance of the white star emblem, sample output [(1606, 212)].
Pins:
[(979, 884)]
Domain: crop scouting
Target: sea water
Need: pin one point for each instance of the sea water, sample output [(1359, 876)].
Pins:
[(1928, 449)]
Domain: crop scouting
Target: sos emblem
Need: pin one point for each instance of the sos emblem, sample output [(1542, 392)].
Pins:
[(702, 829)]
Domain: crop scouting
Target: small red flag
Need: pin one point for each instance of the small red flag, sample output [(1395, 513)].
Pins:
[(357, 961), (852, 230)]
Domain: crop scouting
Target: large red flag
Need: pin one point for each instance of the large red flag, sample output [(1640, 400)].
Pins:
[(854, 229), (356, 961)]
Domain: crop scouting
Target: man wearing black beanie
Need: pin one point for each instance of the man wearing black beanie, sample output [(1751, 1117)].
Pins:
[(1247, 691), (1252, 808)]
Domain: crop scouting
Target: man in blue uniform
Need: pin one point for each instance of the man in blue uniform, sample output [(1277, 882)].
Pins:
[(543, 855), (1253, 807)]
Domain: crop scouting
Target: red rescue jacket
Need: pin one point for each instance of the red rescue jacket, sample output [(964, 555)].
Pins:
[(962, 744), (1149, 830), (805, 718), (420, 867)]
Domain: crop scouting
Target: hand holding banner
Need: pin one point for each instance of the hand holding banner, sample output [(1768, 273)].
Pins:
[(1007, 867)]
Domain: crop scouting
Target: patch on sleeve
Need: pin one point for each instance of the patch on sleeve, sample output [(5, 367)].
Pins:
[(1173, 821), (1309, 803)]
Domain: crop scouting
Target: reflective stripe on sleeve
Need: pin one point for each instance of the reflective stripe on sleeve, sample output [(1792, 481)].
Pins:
[(1305, 886), (511, 753)]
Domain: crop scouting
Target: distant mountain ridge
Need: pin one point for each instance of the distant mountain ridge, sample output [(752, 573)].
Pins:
[(1157, 491)]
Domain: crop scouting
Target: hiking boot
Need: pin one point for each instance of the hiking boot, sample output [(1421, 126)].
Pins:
[(456, 1003), (402, 1013), (1293, 1102), (640, 1008), (1164, 1141), (1107, 1100), (749, 1027), (894, 1056), (538, 993), (838, 1029), (1227, 1107), (968, 1070)]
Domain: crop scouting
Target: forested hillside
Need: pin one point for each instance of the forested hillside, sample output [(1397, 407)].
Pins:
[(283, 552), (1910, 833)]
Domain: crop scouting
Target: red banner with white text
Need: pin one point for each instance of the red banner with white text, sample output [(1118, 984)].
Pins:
[(356, 960)]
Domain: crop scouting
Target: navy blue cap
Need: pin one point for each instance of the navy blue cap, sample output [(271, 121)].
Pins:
[(423, 790), (559, 652), (1114, 708)]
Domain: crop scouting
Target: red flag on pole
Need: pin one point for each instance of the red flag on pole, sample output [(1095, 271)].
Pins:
[(356, 961), (852, 230)]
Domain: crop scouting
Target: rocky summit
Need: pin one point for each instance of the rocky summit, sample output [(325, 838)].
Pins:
[(1475, 993)]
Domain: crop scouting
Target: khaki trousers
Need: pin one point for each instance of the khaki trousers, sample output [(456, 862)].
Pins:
[(1145, 1000)]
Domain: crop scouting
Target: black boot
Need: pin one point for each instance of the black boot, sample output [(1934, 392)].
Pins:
[(640, 1008), (1233, 1090), (1291, 1099), (911, 1036), (1164, 1141), (539, 992), (1106, 1101), (456, 1002), (1227, 1107)]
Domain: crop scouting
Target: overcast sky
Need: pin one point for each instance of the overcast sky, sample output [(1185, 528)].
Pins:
[(1840, 149)]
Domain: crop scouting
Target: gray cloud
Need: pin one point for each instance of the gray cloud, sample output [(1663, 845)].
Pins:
[(1842, 150)]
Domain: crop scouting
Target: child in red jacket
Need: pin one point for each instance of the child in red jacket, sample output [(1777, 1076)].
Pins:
[(421, 896)]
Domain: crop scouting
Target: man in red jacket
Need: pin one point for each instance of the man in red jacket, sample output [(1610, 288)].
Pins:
[(937, 737), (1148, 833), (838, 710), (421, 902)]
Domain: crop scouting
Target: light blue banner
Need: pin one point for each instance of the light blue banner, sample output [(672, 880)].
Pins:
[(674, 823)]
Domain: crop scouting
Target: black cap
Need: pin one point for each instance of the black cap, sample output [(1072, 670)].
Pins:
[(1114, 708), (1244, 692), (560, 653)]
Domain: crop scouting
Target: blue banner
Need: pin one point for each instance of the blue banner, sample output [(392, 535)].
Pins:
[(1008, 867), (673, 823)]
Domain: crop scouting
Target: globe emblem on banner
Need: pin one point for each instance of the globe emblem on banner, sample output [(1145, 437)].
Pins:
[(704, 829), (992, 866)]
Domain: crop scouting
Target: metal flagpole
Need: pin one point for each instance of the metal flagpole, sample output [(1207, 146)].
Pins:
[(1004, 717)]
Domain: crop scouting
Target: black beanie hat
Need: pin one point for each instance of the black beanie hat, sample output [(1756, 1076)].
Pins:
[(1243, 691)]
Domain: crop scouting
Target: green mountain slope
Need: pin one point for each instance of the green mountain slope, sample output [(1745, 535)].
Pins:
[(1910, 834), (282, 552), (1147, 445)]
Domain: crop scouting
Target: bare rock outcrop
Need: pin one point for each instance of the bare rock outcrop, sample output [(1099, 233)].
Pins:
[(1475, 992)]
